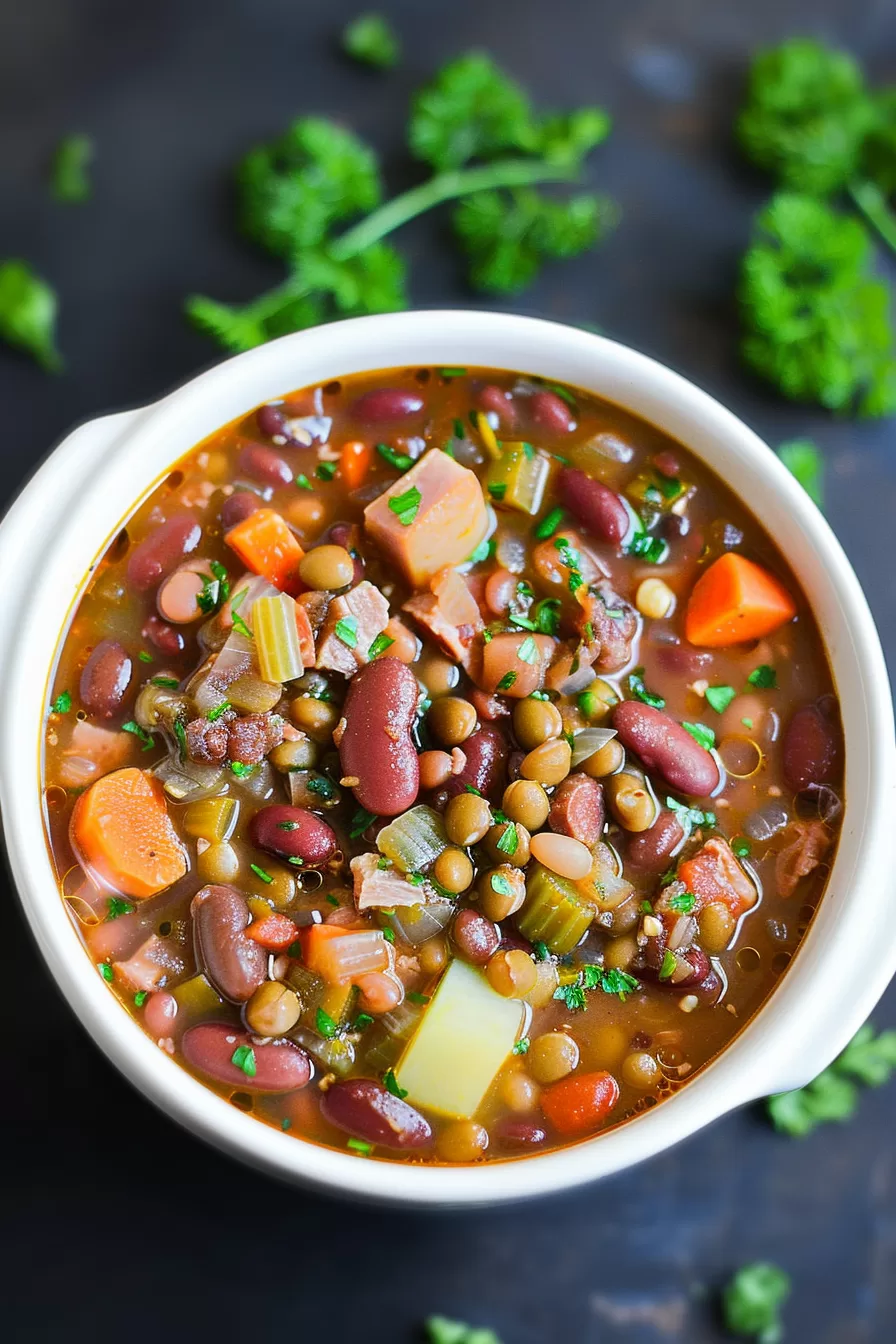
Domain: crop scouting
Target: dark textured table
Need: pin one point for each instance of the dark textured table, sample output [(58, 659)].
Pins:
[(114, 1223)]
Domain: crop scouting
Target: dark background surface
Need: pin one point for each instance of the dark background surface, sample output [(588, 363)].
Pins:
[(114, 1223)]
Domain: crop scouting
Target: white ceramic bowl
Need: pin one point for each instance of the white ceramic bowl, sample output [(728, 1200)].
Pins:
[(65, 517)]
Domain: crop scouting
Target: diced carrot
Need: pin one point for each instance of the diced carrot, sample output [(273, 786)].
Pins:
[(714, 874), (514, 663), (267, 546), (306, 635), (121, 831), (433, 517), (581, 1102), (273, 931), (734, 601), (354, 463)]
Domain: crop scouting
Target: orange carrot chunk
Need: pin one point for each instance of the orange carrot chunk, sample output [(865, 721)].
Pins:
[(274, 931), (354, 463), (735, 601), (122, 833), (581, 1102), (267, 546)]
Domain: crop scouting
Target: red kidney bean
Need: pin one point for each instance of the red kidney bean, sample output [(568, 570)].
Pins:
[(158, 554), (376, 746), (521, 1132), (598, 508), (237, 507), (486, 753), (475, 937), (163, 636), (495, 399), (364, 1108), (682, 660), (667, 464), (280, 1066), (811, 748), (709, 989), (550, 413), (293, 833), (235, 964), (650, 851), (270, 419), (698, 961), (386, 403), (665, 748), (105, 679), (577, 809), (159, 1013), (264, 465)]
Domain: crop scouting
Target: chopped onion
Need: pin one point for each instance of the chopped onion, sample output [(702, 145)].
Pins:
[(578, 680), (414, 840), (588, 741), (511, 552), (189, 779), (766, 821), (304, 429), (682, 934), (418, 923)]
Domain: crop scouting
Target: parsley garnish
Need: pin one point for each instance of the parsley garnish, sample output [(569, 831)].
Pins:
[(118, 906), (285, 1123), (640, 691), (509, 840), (452, 373), (180, 734), (405, 506), (238, 623), (28, 314), (303, 482), (540, 951), (506, 681), (370, 40), (833, 1095), (528, 651), (413, 997), (324, 788), (498, 882), (752, 1301), (360, 1146), (325, 471), (388, 934), (326, 1025), (652, 549), (613, 981), (362, 1022), (683, 902), (69, 174), (548, 524), (484, 551), (215, 713), (63, 703), (390, 1083), (400, 461), (522, 1046), (670, 961), (261, 873), (106, 971), (701, 734), (764, 677), (140, 733), (347, 631), (740, 846), (498, 490), (379, 645), (244, 1058), (146, 657), (360, 821), (720, 697), (240, 770), (166, 683), (689, 817), (140, 997), (547, 615)]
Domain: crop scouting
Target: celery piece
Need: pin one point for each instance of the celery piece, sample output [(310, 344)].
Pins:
[(388, 1037), (196, 996), (465, 1035), (603, 886), (211, 819), (336, 1054), (414, 840), (518, 478), (338, 1002), (663, 492), (554, 912), (308, 986), (277, 638)]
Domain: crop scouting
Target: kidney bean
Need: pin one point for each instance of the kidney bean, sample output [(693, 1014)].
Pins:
[(649, 851), (234, 963), (105, 679), (386, 403), (550, 413), (665, 748), (158, 554), (347, 535), (270, 419), (163, 636), (237, 507), (293, 833), (486, 753), (495, 399), (376, 746), (811, 748), (488, 706), (577, 809), (178, 597), (264, 465), (364, 1108), (698, 961), (521, 1132), (159, 1013), (280, 1066), (667, 464), (709, 989), (598, 508), (475, 937), (500, 590), (682, 660)]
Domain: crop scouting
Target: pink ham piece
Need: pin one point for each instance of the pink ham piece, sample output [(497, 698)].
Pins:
[(153, 964), (383, 887), (449, 613), (352, 623)]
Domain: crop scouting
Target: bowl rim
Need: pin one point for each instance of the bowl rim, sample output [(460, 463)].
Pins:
[(807, 1018)]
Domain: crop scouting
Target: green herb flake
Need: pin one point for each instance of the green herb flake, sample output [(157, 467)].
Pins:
[(540, 951), (69, 174), (508, 842), (547, 615), (740, 847), (359, 822), (528, 651), (325, 1024), (499, 883), (405, 505), (498, 490), (471, 788), (295, 950), (690, 817), (388, 934), (106, 971), (752, 1302), (747, 723), (413, 996), (140, 733), (285, 1124), (332, 900), (165, 683), (240, 770), (701, 734), (145, 657), (379, 645), (118, 907), (362, 1022), (347, 631), (215, 713), (400, 461), (573, 995), (390, 1082), (720, 697), (243, 1058), (452, 373), (360, 1146), (303, 482), (764, 677), (140, 997), (683, 902), (370, 40), (325, 471), (640, 691), (63, 703), (506, 681), (322, 787), (670, 961), (484, 551), (522, 1046), (260, 873), (180, 734), (548, 524), (652, 549)]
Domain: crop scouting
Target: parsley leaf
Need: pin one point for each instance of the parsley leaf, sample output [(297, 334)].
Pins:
[(522, 1046), (803, 460), (400, 461), (689, 817), (471, 110), (833, 1095), (325, 1024), (63, 703), (379, 645), (140, 733), (370, 40), (640, 691), (547, 615), (752, 1301), (508, 841), (347, 631), (683, 902), (720, 697), (390, 1083), (528, 651), (763, 677), (440, 1330), (612, 981), (243, 1058), (69, 178), (506, 681), (360, 821), (118, 907), (28, 314), (405, 505), (701, 734)]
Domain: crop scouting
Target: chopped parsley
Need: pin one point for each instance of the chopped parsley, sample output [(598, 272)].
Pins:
[(471, 788), (652, 549), (506, 681), (640, 691), (412, 996), (140, 997), (547, 615), (701, 734), (379, 645), (238, 623), (528, 651), (459, 430), (326, 1025), (362, 1022), (452, 373), (260, 872), (331, 899), (243, 1058), (140, 733), (165, 683), (347, 631), (720, 697), (548, 524), (390, 1082), (360, 1146), (303, 482), (63, 703), (564, 394), (180, 734), (118, 906), (670, 961), (325, 471), (834, 1095), (613, 981), (285, 1123), (498, 882), (400, 461), (240, 770), (540, 951), (484, 551), (215, 713), (215, 589), (498, 490), (764, 677), (683, 901), (324, 788), (360, 821), (106, 971), (522, 1046), (145, 657), (740, 846), (689, 817), (752, 1302), (405, 505), (508, 841), (388, 935)]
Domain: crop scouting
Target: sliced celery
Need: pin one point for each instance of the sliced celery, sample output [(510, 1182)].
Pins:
[(196, 996), (465, 1036), (212, 819), (554, 912), (277, 638), (307, 985), (414, 840), (518, 478), (336, 1054), (384, 1041)]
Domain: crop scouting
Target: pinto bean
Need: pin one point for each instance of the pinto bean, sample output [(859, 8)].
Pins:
[(550, 413), (649, 851), (163, 636), (811, 748), (577, 809), (293, 833), (264, 465), (376, 746), (280, 1066), (665, 748), (386, 403), (499, 591), (235, 964), (486, 753), (158, 554), (178, 597), (237, 507), (364, 1108), (475, 937), (594, 505), (105, 679)]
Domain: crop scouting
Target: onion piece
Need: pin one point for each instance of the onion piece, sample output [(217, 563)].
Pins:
[(189, 779), (766, 821), (418, 923), (589, 740), (682, 933)]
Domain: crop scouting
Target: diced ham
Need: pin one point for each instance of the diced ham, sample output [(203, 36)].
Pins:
[(714, 874), (315, 605), (153, 964), (449, 612), (249, 739), (207, 741), (489, 707), (366, 613), (607, 625), (504, 670), (439, 530), (92, 751), (383, 887), (807, 844)]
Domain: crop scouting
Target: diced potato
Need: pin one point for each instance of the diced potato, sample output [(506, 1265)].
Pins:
[(518, 478), (443, 521), (277, 638), (465, 1036)]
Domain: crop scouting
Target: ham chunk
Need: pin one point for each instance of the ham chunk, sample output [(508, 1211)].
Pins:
[(807, 843), (92, 751), (443, 521), (515, 663), (383, 887), (449, 613), (352, 623), (153, 964), (714, 874)]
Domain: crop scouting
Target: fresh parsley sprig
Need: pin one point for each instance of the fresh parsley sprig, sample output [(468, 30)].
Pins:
[(868, 1060)]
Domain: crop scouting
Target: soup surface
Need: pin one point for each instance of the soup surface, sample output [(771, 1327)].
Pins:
[(442, 764)]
